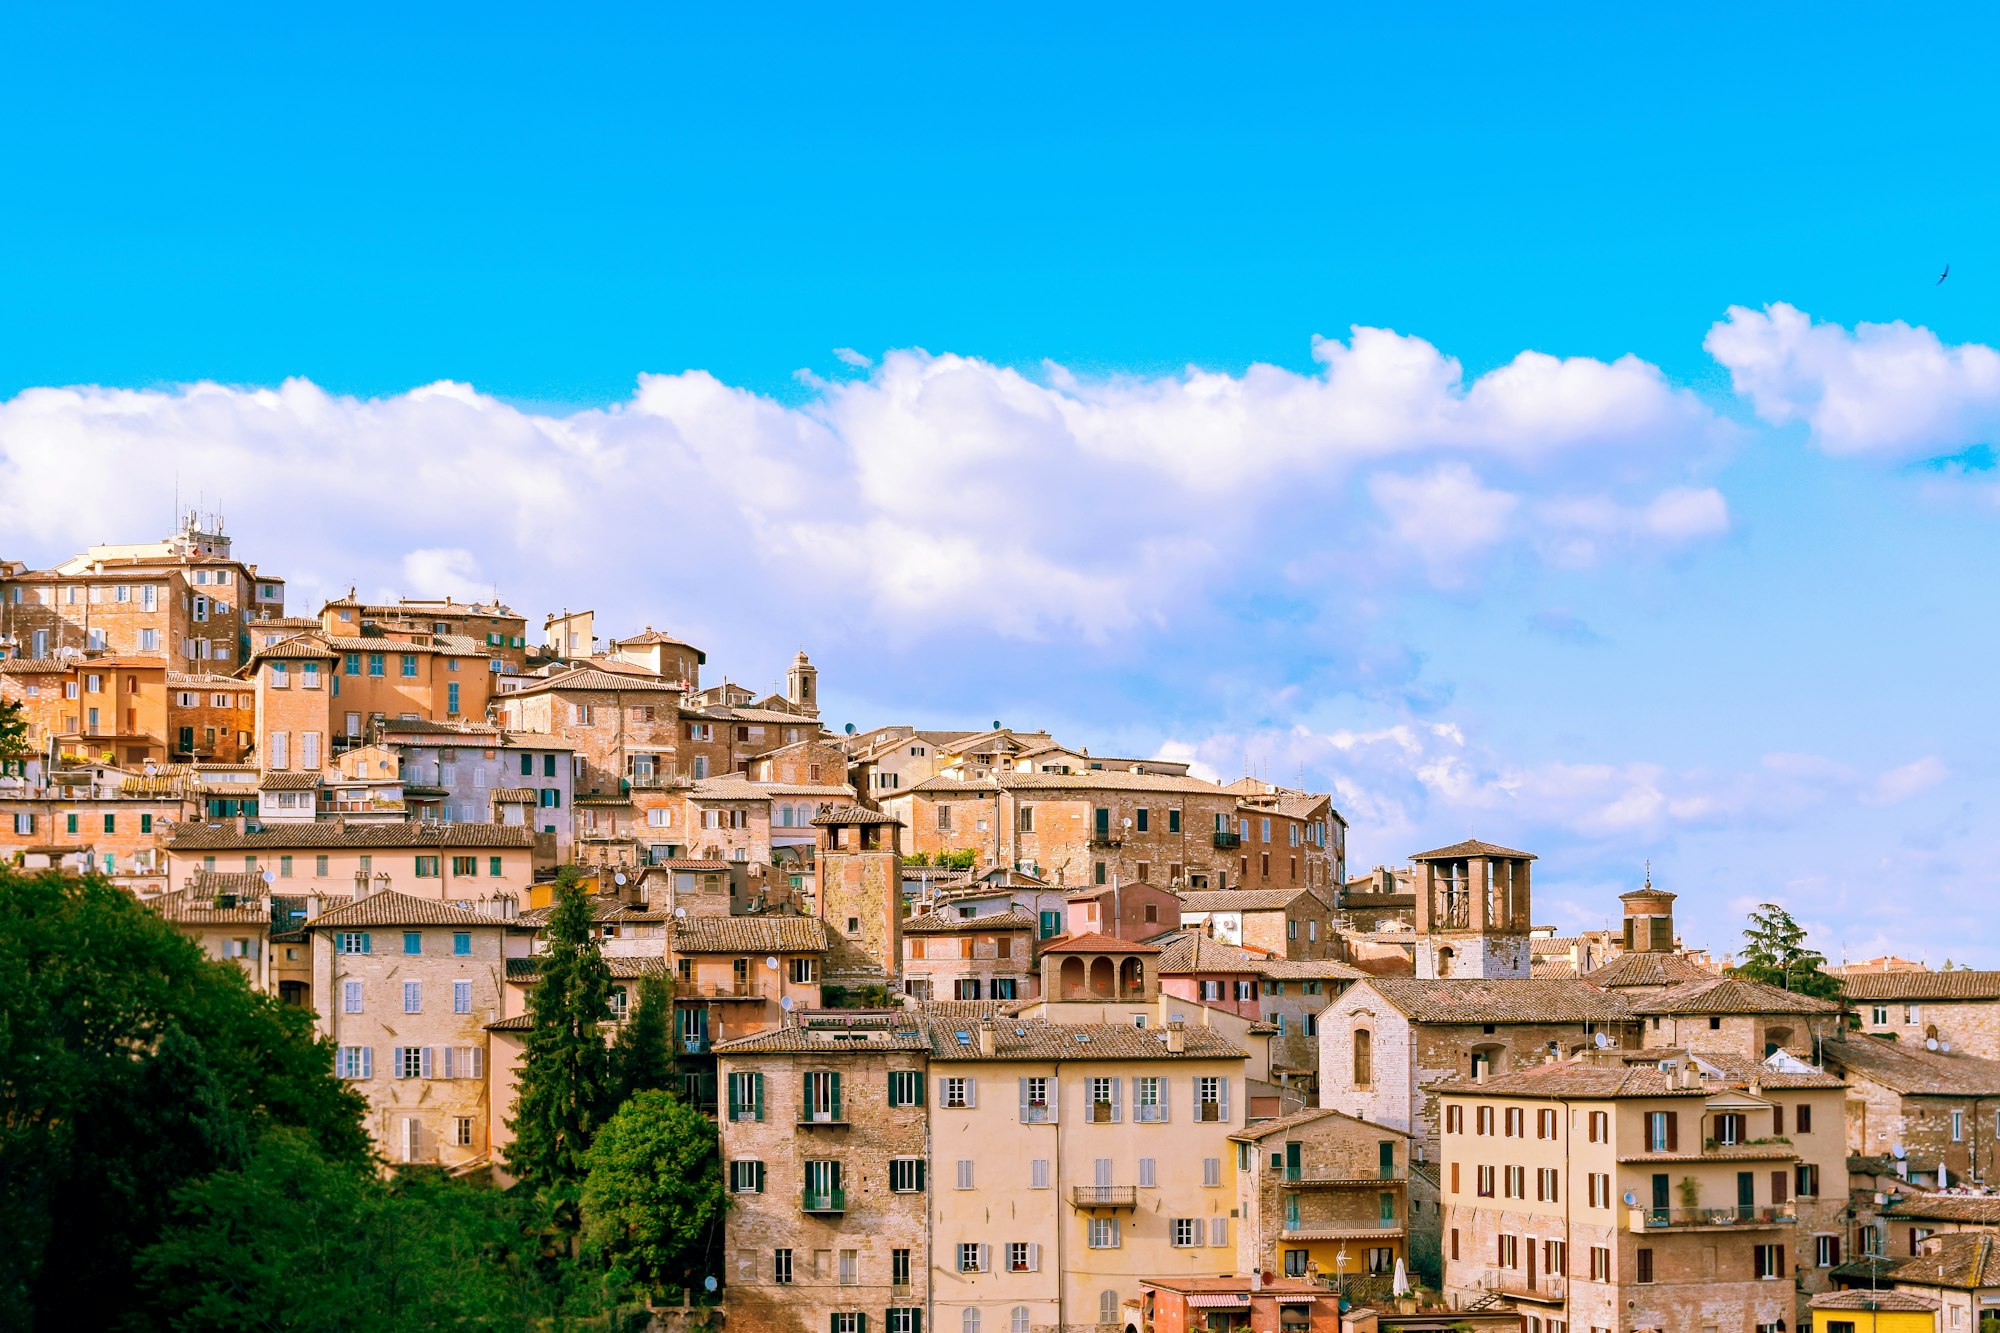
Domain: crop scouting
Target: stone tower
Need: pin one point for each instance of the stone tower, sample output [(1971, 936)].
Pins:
[(1649, 919), (802, 684), (860, 895), (1472, 912)]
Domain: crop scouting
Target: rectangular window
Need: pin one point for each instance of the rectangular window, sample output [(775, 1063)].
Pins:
[(746, 1096), (413, 997), (964, 1177), (971, 1257), (1187, 1232), (955, 1093), (781, 1267), (427, 867), (746, 1177), (413, 941), (1769, 1261), (350, 997), (1038, 1174), (906, 1175), (465, 867), (353, 941), (461, 997), (1103, 1233), (1643, 1263), (906, 1087), (355, 1062), (409, 664)]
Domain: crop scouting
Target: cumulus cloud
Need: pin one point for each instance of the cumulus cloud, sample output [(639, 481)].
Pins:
[(932, 493), (1911, 779), (1889, 389)]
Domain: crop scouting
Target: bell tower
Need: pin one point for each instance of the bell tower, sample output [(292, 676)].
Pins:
[(859, 894), (1472, 912), (802, 684), (1649, 918)]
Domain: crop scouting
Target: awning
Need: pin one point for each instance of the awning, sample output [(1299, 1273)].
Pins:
[(1231, 1300)]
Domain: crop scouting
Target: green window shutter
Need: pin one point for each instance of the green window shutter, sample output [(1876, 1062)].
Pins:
[(836, 1094), (917, 1081), (757, 1091), (861, 1323), (367, 945), (734, 1104)]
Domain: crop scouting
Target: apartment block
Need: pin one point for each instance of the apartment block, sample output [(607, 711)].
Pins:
[(952, 957), (1620, 1191), (1936, 1113), (1960, 1008), (406, 988), (476, 865), (1322, 1194), (499, 632)]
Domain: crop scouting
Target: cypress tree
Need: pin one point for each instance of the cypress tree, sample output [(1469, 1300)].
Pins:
[(642, 1058), (565, 1087)]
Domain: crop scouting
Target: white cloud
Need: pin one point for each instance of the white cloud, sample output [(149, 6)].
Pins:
[(848, 356), (1888, 389), (934, 493), (1911, 779)]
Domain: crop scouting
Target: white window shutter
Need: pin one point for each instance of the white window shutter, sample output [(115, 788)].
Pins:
[(424, 1062), (450, 1062), (984, 1265), (1218, 1231), (478, 1062), (1225, 1099), (1117, 1100), (1024, 1101), (1055, 1099), (368, 1062), (1034, 1256), (972, 1092)]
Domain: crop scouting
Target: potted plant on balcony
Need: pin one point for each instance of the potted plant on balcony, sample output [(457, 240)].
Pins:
[(1690, 1193)]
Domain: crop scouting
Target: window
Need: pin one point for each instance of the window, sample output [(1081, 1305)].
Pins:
[(802, 971), (1802, 1119), (1103, 1233), (781, 1267), (1023, 1256), (1600, 1126), (1038, 1174), (1507, 1251), (1826, 1251), (409, 665), (413, 997), (971, 1257), (1187, 1232), (1643, 1261), (1729, 1128), (461, 1133), (906, 1087), (1546, 1181), (964, 1179), (465, 867), (956, 1093), (1545, 1124), (413, 941), (353, 941), (1600, 1263), (1768, 1261), (427, 867), (1211, 1096), (968, 1322), (1514, 1123), (350, 997), (1661, 1133), (1597, 1186), (746, 1177), (413, 1062), (1211, 1172), (746, 1096), (905, 1319), (461, 997), (1105, 1105), (899, 1268), (1484, 1183), (906, 1175), (1364, 1061), (1807, 1183), (355, 1062)]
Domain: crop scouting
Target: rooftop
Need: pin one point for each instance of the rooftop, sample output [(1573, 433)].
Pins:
[(1471, 1000), (1096, 942), (1243, 900), (1955, 985), (390, 908), (194, 836), (1460, 851), (1312, 1115), (749, 934), (1730, 995), (1962, 1260), (1646, 969), (1913, 1071)]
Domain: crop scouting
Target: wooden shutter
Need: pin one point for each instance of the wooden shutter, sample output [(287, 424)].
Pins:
[(1024, 1100), (1780, 1186), (1673, 1131), (1778, 1119), (1117, 1100), (834, 1091), (972, 1096)]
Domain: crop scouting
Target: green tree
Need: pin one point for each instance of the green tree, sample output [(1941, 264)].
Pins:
[(13, 729), (297, 1241), (565, 1081), (653, 1201), (642, 1056), (130, 1065), (1775, 953)]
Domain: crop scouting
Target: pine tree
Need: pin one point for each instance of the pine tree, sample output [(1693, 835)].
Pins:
[(565, 1086), (642, 1058), (1776, 955)]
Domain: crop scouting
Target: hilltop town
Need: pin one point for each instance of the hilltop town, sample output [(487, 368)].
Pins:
[(997, 1033)]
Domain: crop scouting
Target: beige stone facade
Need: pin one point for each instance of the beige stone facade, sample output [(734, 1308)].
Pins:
[(950, 957), (1316, 1184)]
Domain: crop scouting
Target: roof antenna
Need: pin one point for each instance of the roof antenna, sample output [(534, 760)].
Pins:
[(1649, 872)]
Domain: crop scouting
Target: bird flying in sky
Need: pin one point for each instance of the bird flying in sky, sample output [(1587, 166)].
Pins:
[(1942, 276)]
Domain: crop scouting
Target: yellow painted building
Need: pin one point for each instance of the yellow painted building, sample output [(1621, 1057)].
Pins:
[(1874, 1312), (1322, 1194)]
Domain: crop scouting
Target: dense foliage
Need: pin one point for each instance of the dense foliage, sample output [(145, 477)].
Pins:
[(565, 1090), (1776, 954), (13, 729), (642, 1055), (653, 1201)]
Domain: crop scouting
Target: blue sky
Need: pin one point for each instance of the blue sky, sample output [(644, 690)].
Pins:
[(1576, 558)]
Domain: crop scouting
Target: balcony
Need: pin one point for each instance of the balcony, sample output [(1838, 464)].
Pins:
[(1296, 1229), (694, 1045), (1225, 841), (1515, 1283), (1709, 1219), (823, 1201), (1107, 838), (1305, 1178), (746, 991), (1104, 1196), (824, 1119)]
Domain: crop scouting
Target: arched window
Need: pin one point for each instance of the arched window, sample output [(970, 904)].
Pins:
[(1018, 1323), (969, 1321), (1364, 1058), (1107, 1308)]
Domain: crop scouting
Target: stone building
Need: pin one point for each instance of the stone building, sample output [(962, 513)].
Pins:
[(1289, 923), (1472, 912), (405, 989), (1959, 1007), (1731, 1016), (499, 631), (1906, 1222), (826, 1153), (952, 957), (1932, 1111), (735, 976), (229, 916), (1134, 911), (1322, 1194), (860, 895), (1613, 1190), (489, 866), (111, 818)]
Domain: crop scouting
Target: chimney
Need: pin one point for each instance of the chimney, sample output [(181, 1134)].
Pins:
[(242, 825), (1176, 1038), (987, 1044), (1479, 1072)]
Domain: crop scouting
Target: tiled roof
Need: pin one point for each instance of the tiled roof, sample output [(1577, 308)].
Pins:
[(1576, 1078), (1196, 952), (1550, 968), (1957, 985), (590, 678), (398, 909), (1730, 995), (852, 814), (1914, 1071), (687, 863), (194, 836), (904, 1035), (515, 795), (456, 645), (242, 883), (33, 666), (1742, 1069), (1090, 779), (623, 967), (192, 910), (749, 934), (1243, 900), (1025, 1039), (1868, 1268), (652, 636), (1552, 947), (1963, 1260), (288, 782), (730, 787), (1974, 1209), (1900, 1301), (1311, 1115), (1645, 969), (1459, 851), (938, 923), (1096, 942), (518, 1023), (1308, 969), (1471, 1000)]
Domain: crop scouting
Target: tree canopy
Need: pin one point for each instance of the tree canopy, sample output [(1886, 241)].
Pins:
[(642, 1055), (565, 1090), (1775, 953), (13, 729), (653, 1201)]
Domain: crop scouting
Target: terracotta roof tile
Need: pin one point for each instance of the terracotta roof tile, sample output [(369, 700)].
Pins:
[(1956, 985), (1096, 942), (1470, 1000), (1311, 1115), (1194, 952), (1459, 851), (1244, 900), (1730, 995), (194, 836), (288, 782), (1913, 1071), (749, 934), (852, 814), (1033, 1039), (592, 679), (1973, 1209), (194, 910), (938, 923), (1963, 1260), (390, 908), (1645, 969), (1900, 1301), (623, 968)]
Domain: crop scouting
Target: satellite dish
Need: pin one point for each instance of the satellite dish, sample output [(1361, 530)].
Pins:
[(1602, 1041), (1930, 1043), (267, 877), (850, 728), (618, 878), (681, 913), (772, 962), (149, 770), (1631, 1199), (786, 1004), (1896, 1151), (708, 1284)]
